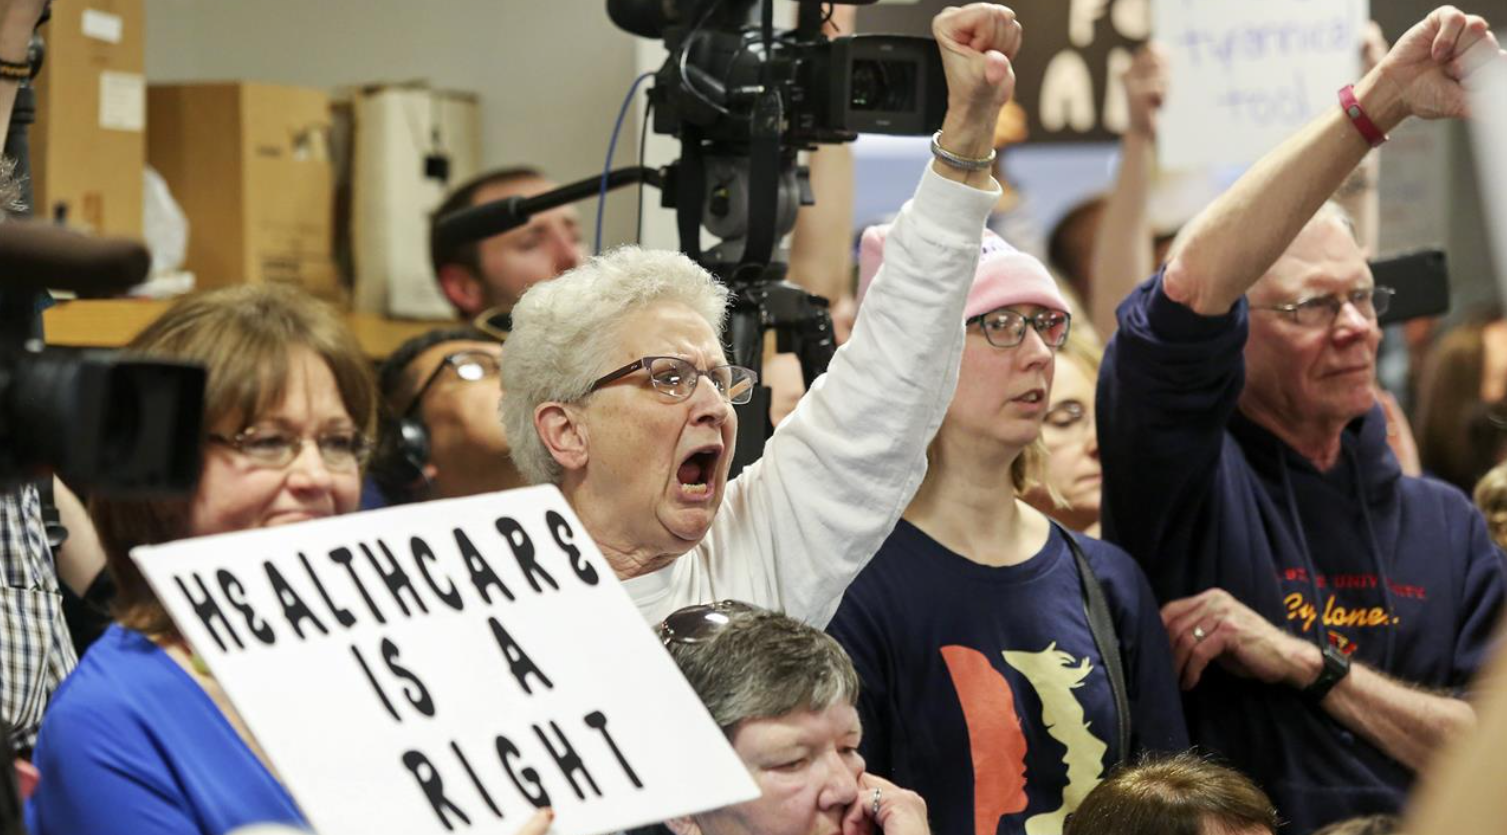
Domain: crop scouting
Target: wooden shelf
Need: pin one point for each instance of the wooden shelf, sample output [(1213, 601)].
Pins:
[(111, 323)]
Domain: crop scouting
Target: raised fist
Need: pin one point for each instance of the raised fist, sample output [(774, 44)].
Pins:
[(1428, 63), (978, 42)]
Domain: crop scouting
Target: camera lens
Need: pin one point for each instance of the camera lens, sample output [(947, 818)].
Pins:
[(886, 86)]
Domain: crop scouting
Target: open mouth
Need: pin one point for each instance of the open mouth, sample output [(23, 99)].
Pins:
[(698, 470), (1032, 396)]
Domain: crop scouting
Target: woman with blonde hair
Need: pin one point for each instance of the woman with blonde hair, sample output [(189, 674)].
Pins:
[(1006, 663), (1072, 478)]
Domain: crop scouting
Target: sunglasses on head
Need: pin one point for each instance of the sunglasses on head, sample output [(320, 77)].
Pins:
[(697, 624)]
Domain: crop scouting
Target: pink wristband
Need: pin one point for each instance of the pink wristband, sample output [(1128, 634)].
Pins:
[(1368, 129)]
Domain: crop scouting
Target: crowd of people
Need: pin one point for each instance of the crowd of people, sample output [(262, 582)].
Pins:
[(1130, 553)]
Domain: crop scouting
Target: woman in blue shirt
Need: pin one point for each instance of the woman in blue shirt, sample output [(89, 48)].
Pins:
[(141, 738), (984, 685)]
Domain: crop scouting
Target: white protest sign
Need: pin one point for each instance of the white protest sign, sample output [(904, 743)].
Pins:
[(1245, 75), (1488, 123), (446, 667)]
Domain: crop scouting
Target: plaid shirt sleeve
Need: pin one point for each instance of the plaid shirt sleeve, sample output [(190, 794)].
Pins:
[(36, 651)]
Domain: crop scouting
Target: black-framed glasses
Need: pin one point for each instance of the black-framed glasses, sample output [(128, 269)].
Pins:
[(697, 624), (1321, 311), (471, 365), (677, 377), (342, 449), (1006, 328)]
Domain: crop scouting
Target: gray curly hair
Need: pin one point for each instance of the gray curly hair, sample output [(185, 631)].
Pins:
[(564, 330)]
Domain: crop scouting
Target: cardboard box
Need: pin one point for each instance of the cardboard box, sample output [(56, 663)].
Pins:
[(395, 127), (249, 163), (88, 145)]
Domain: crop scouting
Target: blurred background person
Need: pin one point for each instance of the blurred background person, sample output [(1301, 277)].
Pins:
[(1186, 794), (1072, 479), (493, 273), (441, 433), (1462, 402)]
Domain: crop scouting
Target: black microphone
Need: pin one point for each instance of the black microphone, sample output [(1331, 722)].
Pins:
[(478, 222), (39, 255), (472, 224)]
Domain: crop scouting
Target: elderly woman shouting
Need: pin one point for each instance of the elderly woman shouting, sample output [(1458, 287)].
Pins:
[(619, 392)]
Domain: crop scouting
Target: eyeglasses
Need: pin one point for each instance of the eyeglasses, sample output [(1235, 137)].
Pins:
[(1005, 328), (1067, 415), (697, 624), (343, 450), (470, 365), (677, 378), (1321, 311)]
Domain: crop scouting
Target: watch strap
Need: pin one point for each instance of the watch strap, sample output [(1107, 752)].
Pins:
[(1336, 667), (1363, 124)]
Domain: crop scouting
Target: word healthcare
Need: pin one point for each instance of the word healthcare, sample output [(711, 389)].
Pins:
[(410, 581)]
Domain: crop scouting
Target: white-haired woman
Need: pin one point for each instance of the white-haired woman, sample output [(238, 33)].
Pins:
[(1007, 664), (604, 368)]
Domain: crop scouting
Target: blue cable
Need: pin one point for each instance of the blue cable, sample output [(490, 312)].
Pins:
[(612, 146)]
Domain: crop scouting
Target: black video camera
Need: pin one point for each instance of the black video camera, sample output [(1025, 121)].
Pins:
[(831, 89), (114, 425), (744, 98)]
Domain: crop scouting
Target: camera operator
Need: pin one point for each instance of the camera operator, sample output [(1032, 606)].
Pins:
[(35, 649), (603, 398)]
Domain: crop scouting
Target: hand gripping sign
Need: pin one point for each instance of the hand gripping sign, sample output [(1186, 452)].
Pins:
[(447, 667)]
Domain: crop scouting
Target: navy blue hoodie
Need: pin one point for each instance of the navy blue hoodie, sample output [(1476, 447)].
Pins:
[(1397, 571)]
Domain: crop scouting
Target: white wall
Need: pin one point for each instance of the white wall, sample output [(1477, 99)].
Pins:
[(551, 74)]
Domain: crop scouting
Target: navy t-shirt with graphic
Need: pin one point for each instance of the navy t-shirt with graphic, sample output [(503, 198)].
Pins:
[(983, 689)]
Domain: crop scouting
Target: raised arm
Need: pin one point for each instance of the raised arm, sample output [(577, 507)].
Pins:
[(1359, 194), (1122, 254), (1233, 242), (17, 20), (844, 465)]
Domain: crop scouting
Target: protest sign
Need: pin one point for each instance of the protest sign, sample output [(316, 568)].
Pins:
[(1067, 73), (447, 667), (1488, 107), (1244, 76)]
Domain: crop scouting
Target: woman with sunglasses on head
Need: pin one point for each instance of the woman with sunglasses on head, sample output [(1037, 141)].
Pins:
[(1007, 664), (618, 389), (141, 738), (784, 694)]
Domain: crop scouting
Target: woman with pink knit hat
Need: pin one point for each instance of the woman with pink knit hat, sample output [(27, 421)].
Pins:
[(1007, 664)]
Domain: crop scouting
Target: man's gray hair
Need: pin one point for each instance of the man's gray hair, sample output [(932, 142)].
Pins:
[(1333, 210), (764, 665), (564, 332)]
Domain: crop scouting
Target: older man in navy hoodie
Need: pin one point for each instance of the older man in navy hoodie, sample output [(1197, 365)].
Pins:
[(1343, 605)]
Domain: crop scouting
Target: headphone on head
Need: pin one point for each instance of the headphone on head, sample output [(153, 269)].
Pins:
[(397, 464), (403, 440)]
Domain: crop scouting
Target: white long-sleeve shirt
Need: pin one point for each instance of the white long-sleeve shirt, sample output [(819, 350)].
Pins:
[(797, 526)]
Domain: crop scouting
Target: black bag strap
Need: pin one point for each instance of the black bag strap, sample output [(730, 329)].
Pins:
[(1102, 625)]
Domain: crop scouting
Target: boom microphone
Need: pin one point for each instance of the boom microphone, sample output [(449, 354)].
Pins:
[(42, 255)]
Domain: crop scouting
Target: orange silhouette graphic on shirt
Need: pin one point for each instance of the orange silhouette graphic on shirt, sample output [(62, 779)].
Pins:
[(994, 737), (999, 745)]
